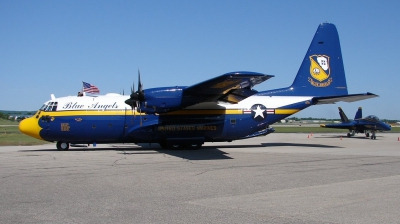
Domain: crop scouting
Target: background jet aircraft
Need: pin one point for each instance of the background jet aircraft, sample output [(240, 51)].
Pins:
[(360, 125), (224, 108)]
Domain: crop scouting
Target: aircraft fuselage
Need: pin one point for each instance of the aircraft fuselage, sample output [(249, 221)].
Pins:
[(105, 119)]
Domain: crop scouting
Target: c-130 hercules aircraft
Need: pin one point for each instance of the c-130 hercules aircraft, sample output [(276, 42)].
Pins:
[(224, 108)]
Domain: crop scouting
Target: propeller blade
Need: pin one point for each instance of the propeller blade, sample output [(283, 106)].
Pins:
[(140, 86), (136, 98), (140, 89)]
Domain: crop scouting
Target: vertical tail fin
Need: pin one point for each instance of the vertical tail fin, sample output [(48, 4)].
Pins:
[(343, 116), (321, 72), (358, 114)]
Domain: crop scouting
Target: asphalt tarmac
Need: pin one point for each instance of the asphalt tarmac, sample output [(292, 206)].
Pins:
[(279, 178)]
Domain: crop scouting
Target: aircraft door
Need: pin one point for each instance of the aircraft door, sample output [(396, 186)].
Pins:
[(231, 128)]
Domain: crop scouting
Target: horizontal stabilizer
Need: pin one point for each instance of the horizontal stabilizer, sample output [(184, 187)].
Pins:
[(345, 98)]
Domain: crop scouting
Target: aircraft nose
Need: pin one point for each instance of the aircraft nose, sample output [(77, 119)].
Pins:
[(30, 126)]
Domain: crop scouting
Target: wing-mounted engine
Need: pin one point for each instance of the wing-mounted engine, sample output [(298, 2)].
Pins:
[(161, 100), (155, 100)]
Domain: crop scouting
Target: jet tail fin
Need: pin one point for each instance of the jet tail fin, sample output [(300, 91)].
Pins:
[(358, 114), (343, 116)]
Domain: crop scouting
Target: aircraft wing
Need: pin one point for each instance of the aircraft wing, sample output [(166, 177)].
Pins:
[(339, 126), (346, 98), (231, 87)]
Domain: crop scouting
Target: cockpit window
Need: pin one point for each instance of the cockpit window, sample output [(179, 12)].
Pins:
[(372, 118), (51, 106), (54, 106)]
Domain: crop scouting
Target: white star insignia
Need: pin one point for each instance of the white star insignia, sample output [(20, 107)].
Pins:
[(259, 112)]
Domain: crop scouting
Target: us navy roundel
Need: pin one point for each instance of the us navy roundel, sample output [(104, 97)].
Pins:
[(259, 112)]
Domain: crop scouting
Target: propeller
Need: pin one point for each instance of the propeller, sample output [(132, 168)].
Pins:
[(136, 98)]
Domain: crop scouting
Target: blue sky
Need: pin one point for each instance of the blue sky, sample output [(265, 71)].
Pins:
[(52, 46)]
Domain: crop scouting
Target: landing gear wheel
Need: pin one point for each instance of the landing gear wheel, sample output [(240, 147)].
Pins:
[(348, 135), (62, 145), (174, 146), (194, 146), (367, 135)]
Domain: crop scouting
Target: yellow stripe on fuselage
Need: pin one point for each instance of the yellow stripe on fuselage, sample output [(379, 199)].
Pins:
[(286, 111), (200, 112), (130, 112)]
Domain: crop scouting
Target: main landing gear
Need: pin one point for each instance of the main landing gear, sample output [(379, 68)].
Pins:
[(351, 133), (373, 136), (62, 145), (180, 146)]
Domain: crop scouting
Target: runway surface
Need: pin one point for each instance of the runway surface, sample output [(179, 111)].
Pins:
[(279, 178)]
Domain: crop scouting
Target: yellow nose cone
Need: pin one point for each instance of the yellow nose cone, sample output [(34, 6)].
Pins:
[(30, 126)]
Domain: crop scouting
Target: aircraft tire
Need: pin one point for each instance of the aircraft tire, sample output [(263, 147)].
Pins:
[(367, 135), (174, 146), (194, 146), (62, 146), (348, 135)]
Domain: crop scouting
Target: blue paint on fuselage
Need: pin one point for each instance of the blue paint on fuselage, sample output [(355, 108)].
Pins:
[(151, 128)]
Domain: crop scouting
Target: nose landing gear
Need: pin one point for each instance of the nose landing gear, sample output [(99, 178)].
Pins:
[(62, 146)]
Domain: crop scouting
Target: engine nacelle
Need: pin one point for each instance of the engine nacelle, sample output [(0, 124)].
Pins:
[(162, 100)]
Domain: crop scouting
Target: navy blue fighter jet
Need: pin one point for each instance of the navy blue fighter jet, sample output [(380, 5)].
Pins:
[(370, 123)]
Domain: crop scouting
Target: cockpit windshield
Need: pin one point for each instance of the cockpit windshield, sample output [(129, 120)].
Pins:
[(50, 106), (372, 118)]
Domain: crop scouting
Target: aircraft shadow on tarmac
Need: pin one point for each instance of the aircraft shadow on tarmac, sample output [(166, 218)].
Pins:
[(345, 137), (205, 153), (277, 144)]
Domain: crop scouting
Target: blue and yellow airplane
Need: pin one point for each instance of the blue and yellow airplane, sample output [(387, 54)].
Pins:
[(224, 108), (370, 123)]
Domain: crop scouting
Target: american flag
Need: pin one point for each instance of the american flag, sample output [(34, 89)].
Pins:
[(89, 88)]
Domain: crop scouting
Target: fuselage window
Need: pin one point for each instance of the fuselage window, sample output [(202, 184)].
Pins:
[(233, 121)]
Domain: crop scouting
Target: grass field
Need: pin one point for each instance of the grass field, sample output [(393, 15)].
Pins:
[(10, 134), (305, 129), (8, 122)]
